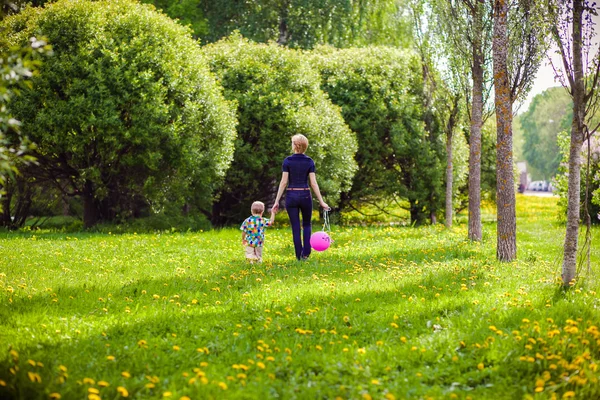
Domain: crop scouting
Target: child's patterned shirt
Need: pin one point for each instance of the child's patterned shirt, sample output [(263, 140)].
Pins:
[(254, 228)]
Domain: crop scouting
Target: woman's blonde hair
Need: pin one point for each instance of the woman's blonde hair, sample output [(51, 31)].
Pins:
[(258, 207), (299, 143)]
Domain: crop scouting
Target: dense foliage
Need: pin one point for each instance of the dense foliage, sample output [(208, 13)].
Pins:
[(126, 115), (561, 179), (17, 66), (548, 114), (295, 23), (278, 95), (400, 141)]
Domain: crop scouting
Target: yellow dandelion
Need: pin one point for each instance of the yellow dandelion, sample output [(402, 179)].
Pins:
[(167, 394), (2, 383), (176, 348), (110, 358), (389, 396), (260, 365), (375, 381), (54, 396), (94, 396), (103, 384), (34, 377), (89, 381), (93, 391), (568, 395), (223, 385), (184, 398), (480, 366), (125, 374), (122, 391)]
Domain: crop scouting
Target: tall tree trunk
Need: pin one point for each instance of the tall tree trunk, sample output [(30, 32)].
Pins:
[(284, 34), (475, 134), (449, 182), (505, 186), (90, 210), (449, 165), (569, 267)]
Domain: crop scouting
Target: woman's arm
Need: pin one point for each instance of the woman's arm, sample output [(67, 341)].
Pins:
[(282, 185), (315, 187)]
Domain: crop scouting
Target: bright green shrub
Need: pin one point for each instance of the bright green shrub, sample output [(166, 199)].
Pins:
[(278, 95), (380, 91), (561, 180), (126, 115)]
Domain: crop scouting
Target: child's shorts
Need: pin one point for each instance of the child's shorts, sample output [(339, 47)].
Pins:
[(254, 253)]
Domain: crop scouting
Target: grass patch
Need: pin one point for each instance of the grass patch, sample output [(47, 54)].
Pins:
[(387, 312)]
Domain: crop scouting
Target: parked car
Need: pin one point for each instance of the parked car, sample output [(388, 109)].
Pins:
[(536, 186)]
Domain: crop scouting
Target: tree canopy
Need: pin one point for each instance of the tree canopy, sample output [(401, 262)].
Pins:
[(400, 148), (295, 23), (126, 114), (278, 95)]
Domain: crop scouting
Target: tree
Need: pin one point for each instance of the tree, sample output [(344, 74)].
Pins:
[(187, 12), (307, 23), (9, 7), (380, 91), (445, 95), (573, 33), (468, 26), (277, 92), (126, 115), (17, 66), (548, 114), (516, 60)]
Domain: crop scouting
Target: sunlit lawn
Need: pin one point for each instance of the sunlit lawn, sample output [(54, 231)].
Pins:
[(387, 312)]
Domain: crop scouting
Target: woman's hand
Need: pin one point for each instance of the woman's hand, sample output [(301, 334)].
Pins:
[(325, 206), (275, 207)]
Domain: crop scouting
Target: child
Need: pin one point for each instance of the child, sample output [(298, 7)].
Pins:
[(253, 231)]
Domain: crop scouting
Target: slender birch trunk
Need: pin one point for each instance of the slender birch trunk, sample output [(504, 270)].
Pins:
[(475, 231), (449, 164), (569, 267), (449, 181), (505, 186)]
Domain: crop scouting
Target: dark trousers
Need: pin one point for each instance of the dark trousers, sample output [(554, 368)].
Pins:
[(296, 202)]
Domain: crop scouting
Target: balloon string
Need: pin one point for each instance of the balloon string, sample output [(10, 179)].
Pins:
[(326, 226)]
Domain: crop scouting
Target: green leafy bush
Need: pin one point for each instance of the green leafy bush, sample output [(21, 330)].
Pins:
[(400, 156), (126, 115), (561, 181), (278, 95)]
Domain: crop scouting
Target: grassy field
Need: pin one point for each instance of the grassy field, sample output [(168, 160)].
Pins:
[(387, 313)]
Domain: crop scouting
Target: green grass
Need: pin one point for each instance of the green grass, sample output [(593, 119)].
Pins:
[(387, 312)]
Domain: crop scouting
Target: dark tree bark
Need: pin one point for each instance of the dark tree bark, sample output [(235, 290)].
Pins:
[(475, 232), (505, 186), (576, 81), (90, 209)]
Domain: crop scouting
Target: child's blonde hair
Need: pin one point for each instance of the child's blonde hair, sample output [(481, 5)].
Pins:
[(258, 207), (300, 143)]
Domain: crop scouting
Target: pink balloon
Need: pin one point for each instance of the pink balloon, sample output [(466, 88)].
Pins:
[(320, 241)]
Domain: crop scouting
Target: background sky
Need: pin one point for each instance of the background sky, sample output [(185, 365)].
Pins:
[(545, 76)]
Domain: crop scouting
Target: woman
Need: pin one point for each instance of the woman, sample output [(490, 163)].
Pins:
[(298, 171)]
